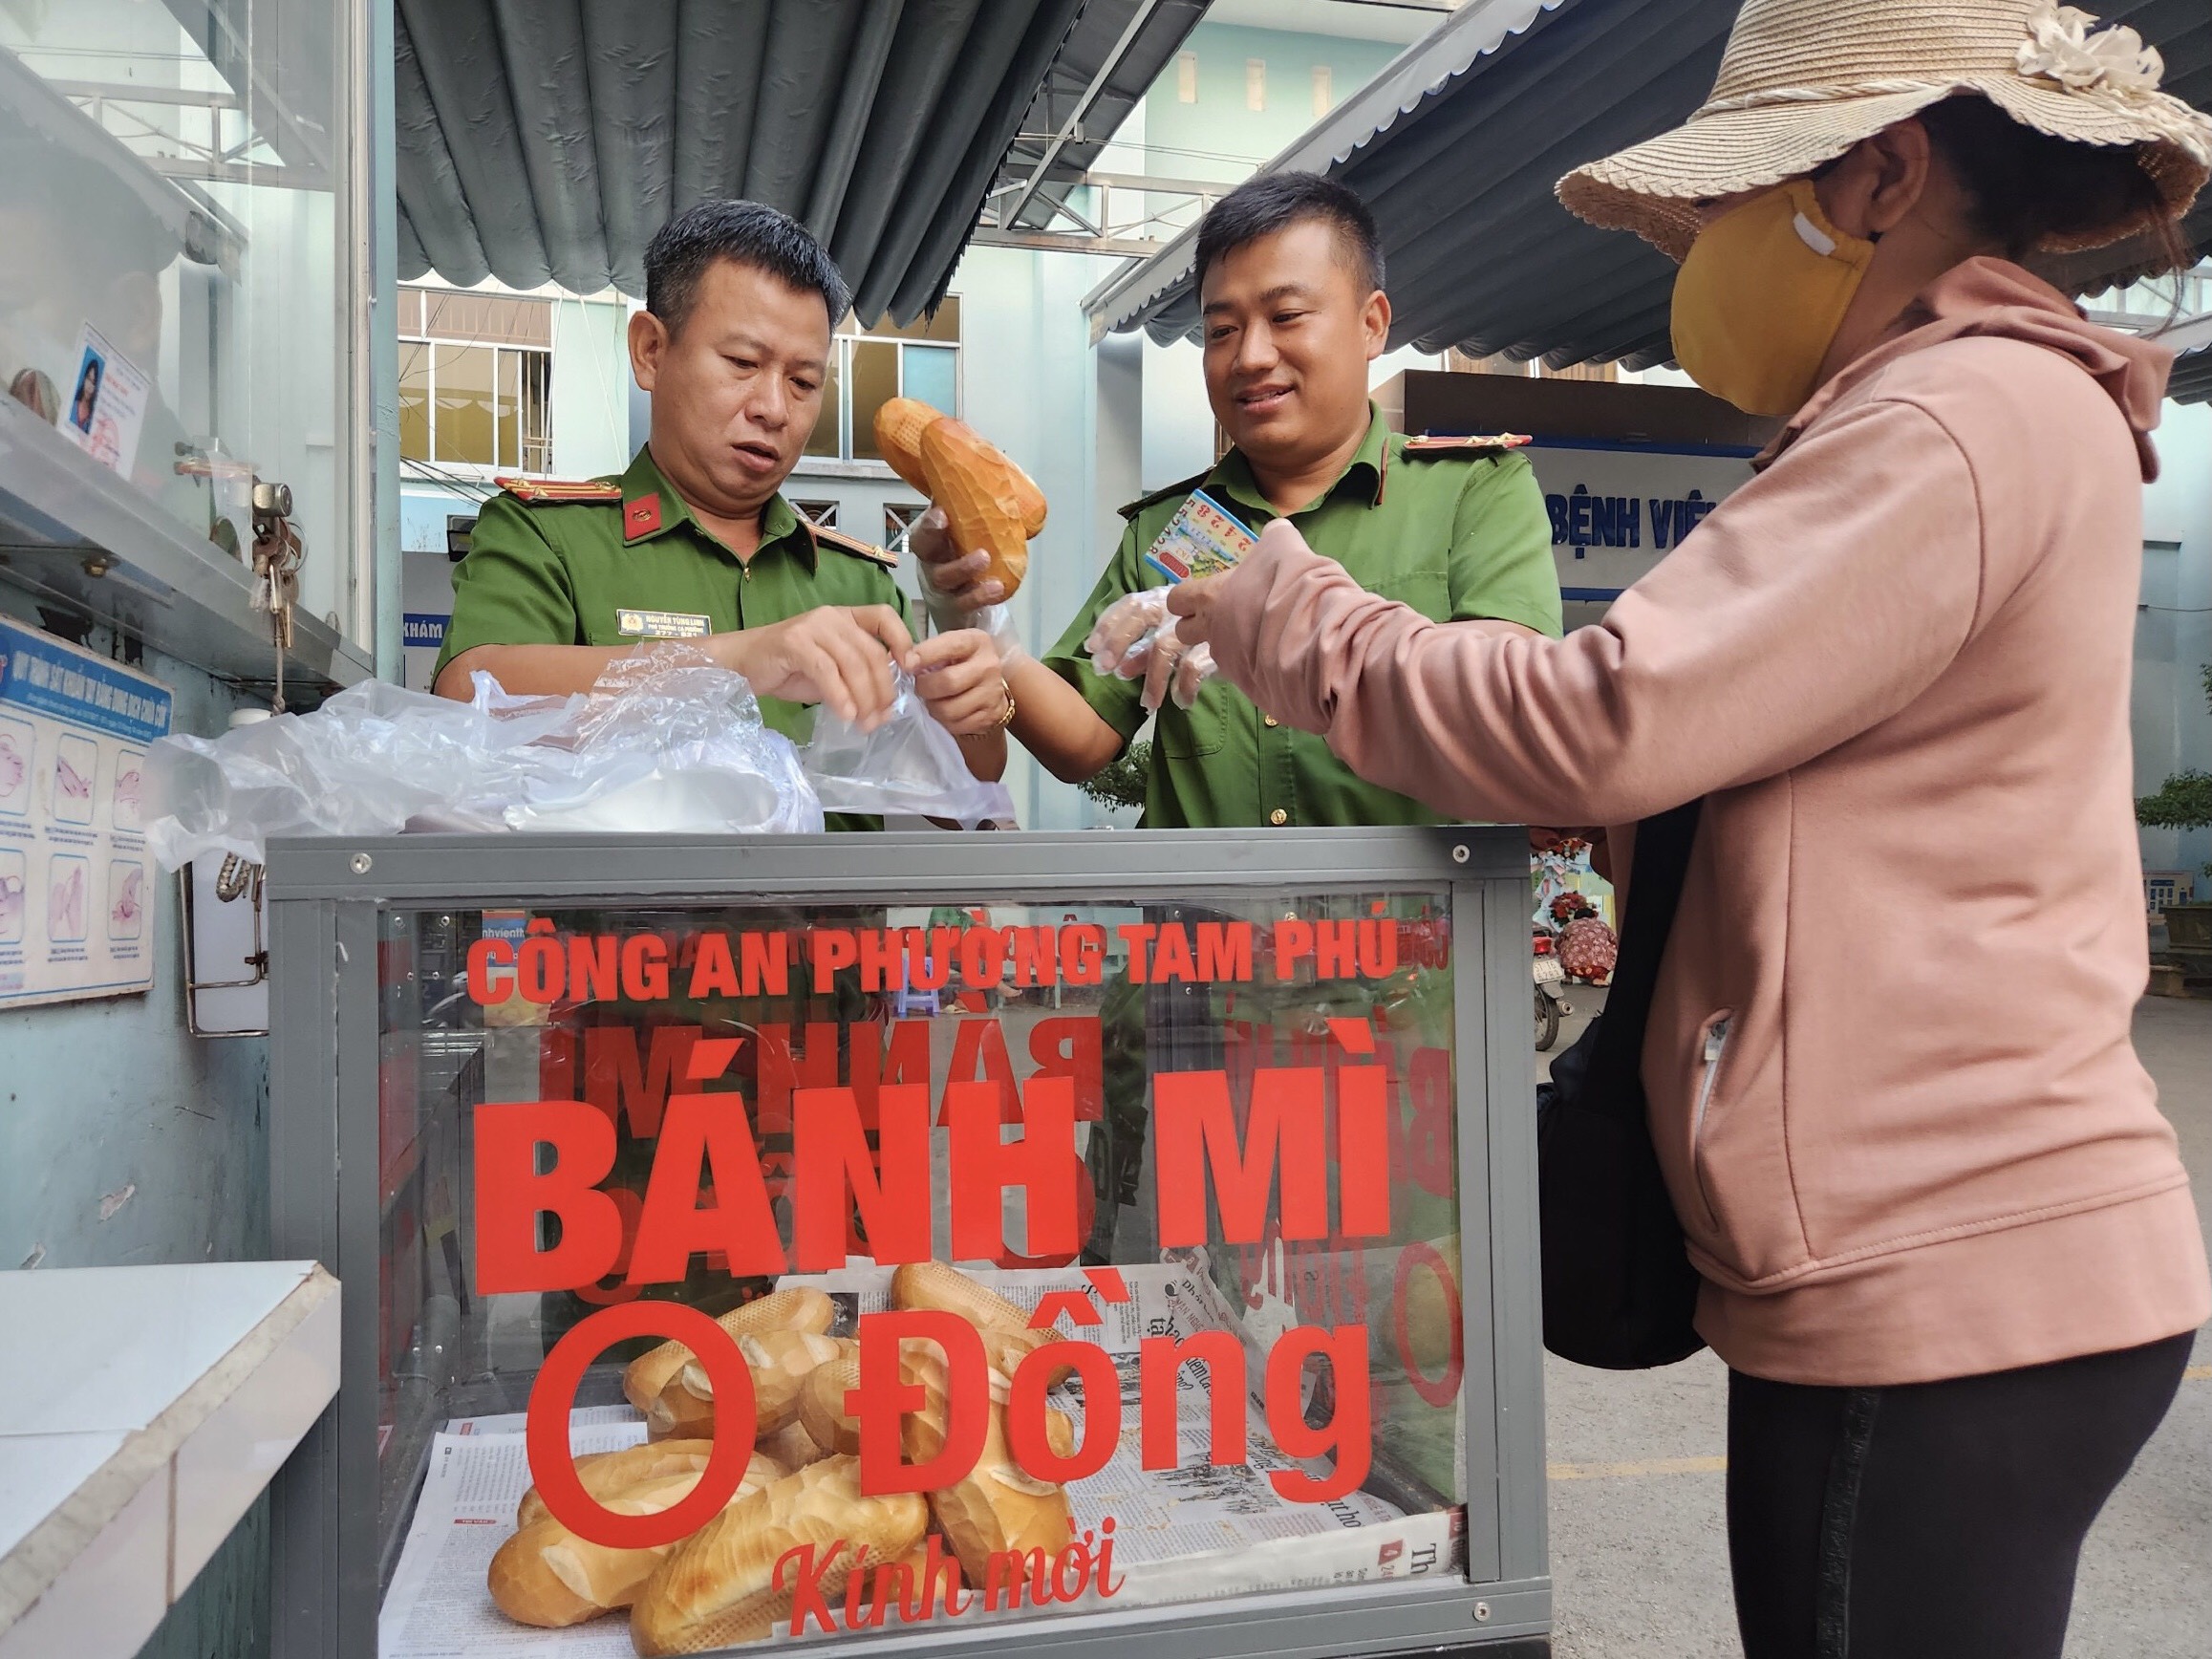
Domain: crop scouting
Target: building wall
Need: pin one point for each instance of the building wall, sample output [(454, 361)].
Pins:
[(588, 417), (1219, 135), (590, 392), (124, 1140)]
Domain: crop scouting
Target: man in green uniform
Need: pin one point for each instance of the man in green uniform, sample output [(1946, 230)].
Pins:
[(695, 540), (1293, 312), (1291, 286)]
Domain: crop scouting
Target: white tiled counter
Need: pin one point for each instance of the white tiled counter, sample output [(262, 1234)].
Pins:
[(141, 1410)]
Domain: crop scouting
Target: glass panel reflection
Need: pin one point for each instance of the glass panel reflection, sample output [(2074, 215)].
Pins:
[(168, 244), (465, 404), (1184, 1172), (874, 383)]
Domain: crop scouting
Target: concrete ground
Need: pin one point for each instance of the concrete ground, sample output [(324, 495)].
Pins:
[(1639, 1553)]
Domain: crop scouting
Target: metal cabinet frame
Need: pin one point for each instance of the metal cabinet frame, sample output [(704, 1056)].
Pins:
[(324, 899)]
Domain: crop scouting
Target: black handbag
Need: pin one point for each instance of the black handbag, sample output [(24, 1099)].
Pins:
[(1618, 1288)]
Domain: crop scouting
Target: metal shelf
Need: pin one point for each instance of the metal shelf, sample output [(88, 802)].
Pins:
[(75, 533)]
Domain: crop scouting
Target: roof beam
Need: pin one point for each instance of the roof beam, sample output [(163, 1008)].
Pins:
[(1209, 188), (1063, 242), (131, 91), (1011, 216), (2189, 335)]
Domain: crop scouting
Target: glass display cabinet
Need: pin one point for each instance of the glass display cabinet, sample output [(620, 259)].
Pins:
[(1077, 1243), (184, 309)]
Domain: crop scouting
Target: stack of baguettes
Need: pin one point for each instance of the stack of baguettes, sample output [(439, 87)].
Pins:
[(715, 1589)]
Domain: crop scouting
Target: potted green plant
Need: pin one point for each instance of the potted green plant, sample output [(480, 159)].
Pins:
[(2183, 802), (1122, 782)]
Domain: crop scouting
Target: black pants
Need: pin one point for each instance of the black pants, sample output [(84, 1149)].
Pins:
[(1939, 1520)]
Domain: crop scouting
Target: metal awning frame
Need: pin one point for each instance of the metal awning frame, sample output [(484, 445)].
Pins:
[(1011, 215), (1416, 74)]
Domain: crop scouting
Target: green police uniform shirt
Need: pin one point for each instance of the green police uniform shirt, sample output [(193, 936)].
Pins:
[(617, 562), (1456, 530)]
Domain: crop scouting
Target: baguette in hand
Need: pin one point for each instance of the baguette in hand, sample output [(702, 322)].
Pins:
[(982, 497)]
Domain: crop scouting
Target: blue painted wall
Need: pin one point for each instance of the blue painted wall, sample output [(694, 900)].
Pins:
[(109, 1105)]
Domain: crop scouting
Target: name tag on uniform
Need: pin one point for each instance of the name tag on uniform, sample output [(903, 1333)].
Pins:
[(1201, 540), (662, 625)]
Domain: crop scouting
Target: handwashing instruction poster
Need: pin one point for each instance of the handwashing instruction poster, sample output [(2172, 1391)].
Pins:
[(75, 879)]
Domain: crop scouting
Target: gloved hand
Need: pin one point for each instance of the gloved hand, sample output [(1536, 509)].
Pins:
[(1194, 668), (1136, 636), (1121, 640), (953, 590)]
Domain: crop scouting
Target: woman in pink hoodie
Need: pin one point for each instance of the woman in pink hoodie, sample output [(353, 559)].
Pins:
[(1947, 1246)]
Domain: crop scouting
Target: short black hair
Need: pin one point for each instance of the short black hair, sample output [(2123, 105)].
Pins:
[(751, 234), (1277, 200)]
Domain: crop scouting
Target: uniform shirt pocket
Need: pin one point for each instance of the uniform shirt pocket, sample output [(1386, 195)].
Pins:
[(1428, 592), (1189, 734)]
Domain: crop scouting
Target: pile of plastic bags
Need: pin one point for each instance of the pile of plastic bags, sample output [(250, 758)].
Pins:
[(667, 742)]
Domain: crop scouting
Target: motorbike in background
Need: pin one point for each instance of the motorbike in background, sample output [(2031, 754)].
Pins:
[(1551, 1006)]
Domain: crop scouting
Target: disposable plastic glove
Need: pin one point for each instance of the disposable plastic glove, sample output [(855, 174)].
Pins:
[(1171, 669), (1192, 670), (1134, 636), (1121, 640), (952, 606)]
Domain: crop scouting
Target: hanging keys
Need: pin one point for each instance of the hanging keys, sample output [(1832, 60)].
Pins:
[(277, 551)]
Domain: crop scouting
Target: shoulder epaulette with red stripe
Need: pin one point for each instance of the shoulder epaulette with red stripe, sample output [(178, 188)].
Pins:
[(1433, 444), (854, 545), (1182, 487), (551, 492)]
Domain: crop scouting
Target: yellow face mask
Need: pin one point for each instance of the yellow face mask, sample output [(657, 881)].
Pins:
[(1759, 299)]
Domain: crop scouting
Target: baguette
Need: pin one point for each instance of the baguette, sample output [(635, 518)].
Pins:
[(797, 1310), (996, 1505), (778, 1360), (985, 498), (793, 1446), (717, 1589), (899, 425), (822, 1412), (607, 1472), (547, 1576), (1007, 1337), (1028, 500), (1432, 1332)]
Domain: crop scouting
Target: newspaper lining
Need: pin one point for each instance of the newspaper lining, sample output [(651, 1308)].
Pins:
[(1198, 1532)]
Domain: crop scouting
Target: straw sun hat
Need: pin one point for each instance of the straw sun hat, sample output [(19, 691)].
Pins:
[(1803, 80)]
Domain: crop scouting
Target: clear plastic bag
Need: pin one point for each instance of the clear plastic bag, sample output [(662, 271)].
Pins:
[(666, 741), (908, 765)]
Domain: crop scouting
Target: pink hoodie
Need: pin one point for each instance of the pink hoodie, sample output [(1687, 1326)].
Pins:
[(1891, 1075)]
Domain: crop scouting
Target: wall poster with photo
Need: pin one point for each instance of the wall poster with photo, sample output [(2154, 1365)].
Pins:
[(75, 879)]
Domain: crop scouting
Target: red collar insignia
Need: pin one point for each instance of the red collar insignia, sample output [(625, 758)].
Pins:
[(641, 517)]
